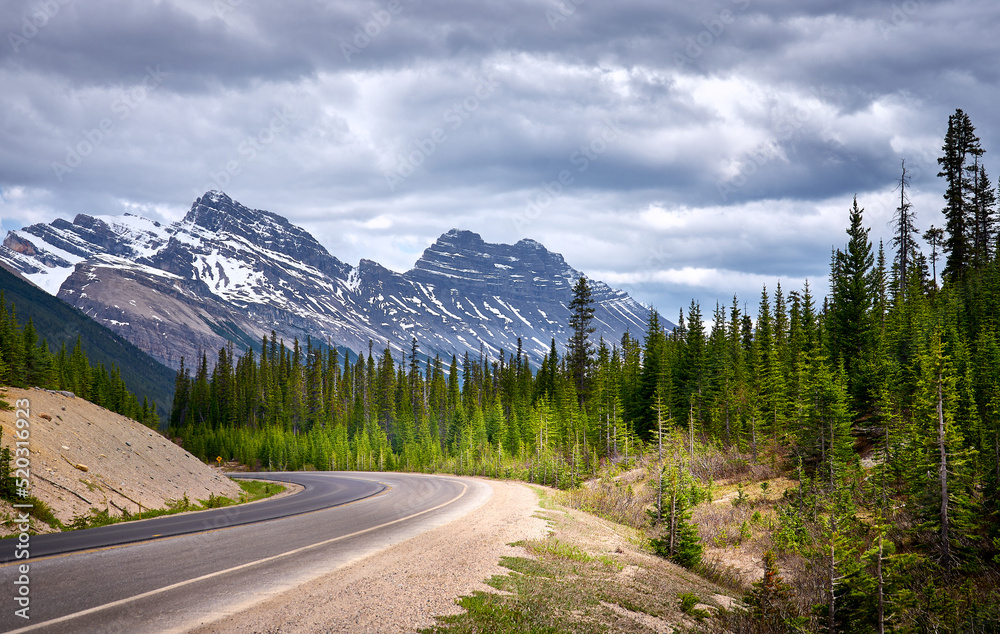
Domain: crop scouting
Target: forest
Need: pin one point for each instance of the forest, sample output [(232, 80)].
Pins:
[(27, 362), (881, 401)]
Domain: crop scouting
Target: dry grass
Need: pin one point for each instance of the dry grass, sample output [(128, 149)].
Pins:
[(735, 524), (588, 575)]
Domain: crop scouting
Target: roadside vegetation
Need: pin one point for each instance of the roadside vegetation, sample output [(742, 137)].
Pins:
[(586, 575), (252, 491)]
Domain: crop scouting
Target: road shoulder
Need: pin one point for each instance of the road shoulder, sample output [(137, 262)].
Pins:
[(405, 586)]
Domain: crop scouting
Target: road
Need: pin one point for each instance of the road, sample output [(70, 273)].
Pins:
[(320, 492), (172, 583)]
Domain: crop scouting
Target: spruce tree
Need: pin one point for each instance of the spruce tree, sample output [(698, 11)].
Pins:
[(961, 147), (904, 231), (580, 350), (850, 317), (984, 218), (650, 376)]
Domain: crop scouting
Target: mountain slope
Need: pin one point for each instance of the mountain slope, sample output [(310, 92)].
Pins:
[(58, 322), (230, 273)]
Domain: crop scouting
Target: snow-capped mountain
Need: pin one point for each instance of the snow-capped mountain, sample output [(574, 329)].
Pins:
[(229, 273)]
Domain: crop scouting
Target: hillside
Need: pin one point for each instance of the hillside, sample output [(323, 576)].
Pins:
[(57, 322), (85, 457)]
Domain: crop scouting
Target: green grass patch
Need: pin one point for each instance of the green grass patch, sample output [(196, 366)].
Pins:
[(485, 612), (39, 510), (569, 583), (252, 490), (556, 548)]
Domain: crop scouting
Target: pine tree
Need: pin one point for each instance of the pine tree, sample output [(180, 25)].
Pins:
[(984, 220), (935, 238), (850, 327), (650, 377), (940, 480), (580, 350), (961, 145), (904, 231), (770, 602)]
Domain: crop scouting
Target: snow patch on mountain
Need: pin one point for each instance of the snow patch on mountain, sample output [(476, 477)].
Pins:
[(228, 272)]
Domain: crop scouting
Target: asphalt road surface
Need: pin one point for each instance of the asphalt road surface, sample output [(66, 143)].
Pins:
[(236, 557)]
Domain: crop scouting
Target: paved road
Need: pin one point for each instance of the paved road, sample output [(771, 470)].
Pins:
[(320, 492), (174, 583)]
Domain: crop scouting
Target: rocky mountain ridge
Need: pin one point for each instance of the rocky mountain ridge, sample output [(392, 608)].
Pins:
[(226, 272)]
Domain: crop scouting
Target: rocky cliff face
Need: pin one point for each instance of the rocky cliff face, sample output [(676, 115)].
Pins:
[(229, 273)]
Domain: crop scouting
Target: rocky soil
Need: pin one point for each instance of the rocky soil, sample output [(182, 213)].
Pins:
[(85, 457)]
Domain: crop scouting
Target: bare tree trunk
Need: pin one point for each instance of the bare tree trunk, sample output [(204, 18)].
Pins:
[(881, 585), (832, 614), (729, 437), (673, 520), (691, 431), (943, 478), (659, 454)]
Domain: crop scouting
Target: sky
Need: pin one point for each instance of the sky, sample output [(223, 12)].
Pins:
[(679, 150)]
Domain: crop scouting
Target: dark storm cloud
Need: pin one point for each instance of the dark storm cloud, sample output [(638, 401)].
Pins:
[(680, 149)]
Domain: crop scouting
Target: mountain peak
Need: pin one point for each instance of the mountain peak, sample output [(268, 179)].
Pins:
[(217, 212), (462, 259)]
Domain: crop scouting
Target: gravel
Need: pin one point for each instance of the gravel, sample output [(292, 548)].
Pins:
[(402, 588)]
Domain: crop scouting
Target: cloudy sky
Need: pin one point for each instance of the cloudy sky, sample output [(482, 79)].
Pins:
[(677, 149)]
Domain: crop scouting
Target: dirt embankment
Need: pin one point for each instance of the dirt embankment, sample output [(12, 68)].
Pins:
[(85, 457)]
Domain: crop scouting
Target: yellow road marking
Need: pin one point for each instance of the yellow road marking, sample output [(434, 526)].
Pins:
[(205, 531), (180, 584)]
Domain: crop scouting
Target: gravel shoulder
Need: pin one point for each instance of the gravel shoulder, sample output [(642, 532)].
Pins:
[(402, 588)]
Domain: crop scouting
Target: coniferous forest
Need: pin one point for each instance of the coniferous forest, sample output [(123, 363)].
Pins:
[(27, 362), (881, 401)]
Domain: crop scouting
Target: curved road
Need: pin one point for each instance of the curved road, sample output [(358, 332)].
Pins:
[(319, 492), (174, 583)]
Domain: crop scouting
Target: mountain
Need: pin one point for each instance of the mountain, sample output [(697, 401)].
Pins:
[(57, 323), (226, 272)]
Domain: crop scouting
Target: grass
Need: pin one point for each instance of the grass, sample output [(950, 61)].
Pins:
[(252, 490), (587, 575), (570, 581), (39, 510)]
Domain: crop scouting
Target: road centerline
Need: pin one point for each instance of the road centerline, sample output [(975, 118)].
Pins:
[(120, 602)]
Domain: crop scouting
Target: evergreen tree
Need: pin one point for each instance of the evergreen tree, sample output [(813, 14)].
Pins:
[(850, 325), (984, 218), (904, 231), (935, 238), (961, 146), (580, 350), (650, 376)]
